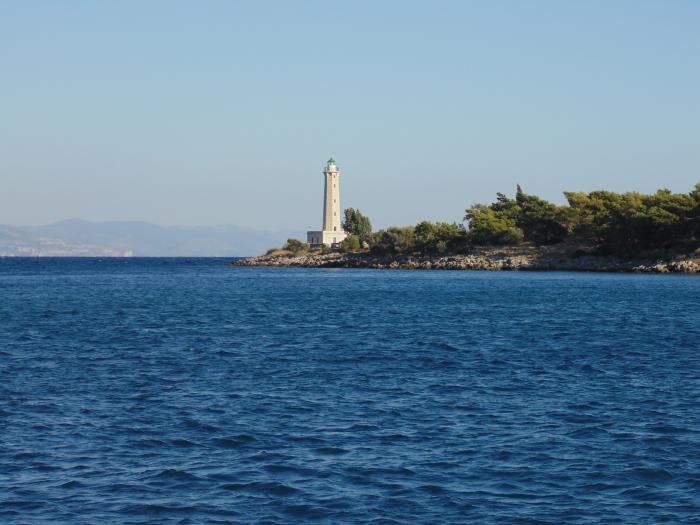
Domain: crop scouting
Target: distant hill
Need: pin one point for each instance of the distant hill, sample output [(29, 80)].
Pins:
[(77, 237)]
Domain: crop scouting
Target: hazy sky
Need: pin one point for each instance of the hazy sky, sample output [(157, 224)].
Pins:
[(212, 112)]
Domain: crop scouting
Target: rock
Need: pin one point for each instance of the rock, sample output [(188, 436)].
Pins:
[(519, 258)]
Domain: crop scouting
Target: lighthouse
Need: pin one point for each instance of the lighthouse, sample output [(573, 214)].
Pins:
[(332, 233)]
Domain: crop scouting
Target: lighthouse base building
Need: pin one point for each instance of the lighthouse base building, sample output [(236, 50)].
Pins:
[(332, 233)]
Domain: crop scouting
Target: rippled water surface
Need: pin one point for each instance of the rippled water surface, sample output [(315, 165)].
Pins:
[(185, 391)]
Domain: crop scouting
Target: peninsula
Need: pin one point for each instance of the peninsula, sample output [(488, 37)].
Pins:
[(596, 231), (523, 257)]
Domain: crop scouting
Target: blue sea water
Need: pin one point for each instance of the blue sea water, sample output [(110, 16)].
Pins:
[(184, 391)]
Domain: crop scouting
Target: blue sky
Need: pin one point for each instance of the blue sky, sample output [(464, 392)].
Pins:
[(214, 112)]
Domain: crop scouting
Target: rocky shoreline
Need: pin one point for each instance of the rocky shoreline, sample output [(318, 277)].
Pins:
[(518, 258)]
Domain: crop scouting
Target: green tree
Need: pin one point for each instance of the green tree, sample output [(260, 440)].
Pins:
[(694, 214), (541, 222), (357, 224), (632, 221), (611, 222), (489, 226)]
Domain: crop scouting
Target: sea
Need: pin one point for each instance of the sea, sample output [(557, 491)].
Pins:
[(187, 391)]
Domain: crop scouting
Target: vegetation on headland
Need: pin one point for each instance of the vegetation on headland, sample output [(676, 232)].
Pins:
[(611, 222), (357, 225), (291, 247), (607, 223), (600, 222)]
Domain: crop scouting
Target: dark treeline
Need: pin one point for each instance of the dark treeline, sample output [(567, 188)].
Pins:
[(607, 222)]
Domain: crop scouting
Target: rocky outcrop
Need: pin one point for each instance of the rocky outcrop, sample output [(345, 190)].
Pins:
[(683, 266), (517, 258)]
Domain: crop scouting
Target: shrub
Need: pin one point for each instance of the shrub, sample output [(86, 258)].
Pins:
[(296, 246), (393, 240), (351, 243), (438, 238)]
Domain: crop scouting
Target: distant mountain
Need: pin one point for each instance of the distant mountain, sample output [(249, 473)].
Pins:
[(77, 237)]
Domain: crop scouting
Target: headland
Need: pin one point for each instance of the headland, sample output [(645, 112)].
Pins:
[(600, 231), (511, 258)]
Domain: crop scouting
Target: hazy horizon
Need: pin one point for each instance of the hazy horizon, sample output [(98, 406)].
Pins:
[(77, 237), (223, 113)]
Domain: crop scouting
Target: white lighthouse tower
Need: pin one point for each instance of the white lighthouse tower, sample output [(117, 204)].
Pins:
[(332, 232)]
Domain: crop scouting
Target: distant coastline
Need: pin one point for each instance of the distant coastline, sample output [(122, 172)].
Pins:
[(505, 258), (80, 238)]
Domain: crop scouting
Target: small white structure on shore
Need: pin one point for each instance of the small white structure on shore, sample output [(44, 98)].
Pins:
[(332, 233)]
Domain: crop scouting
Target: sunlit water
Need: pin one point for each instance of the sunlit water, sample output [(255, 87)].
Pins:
[(185, 391)]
